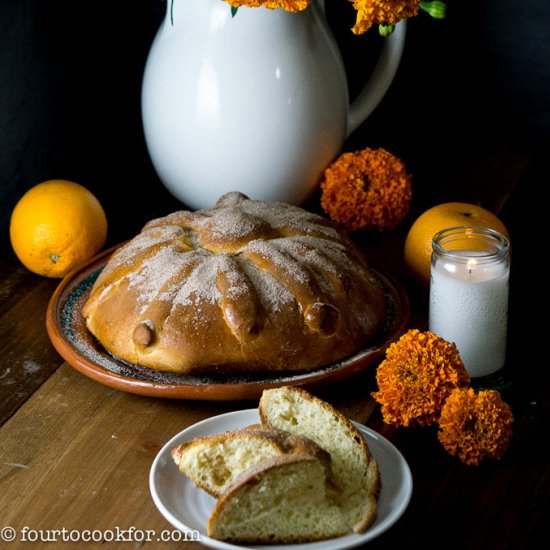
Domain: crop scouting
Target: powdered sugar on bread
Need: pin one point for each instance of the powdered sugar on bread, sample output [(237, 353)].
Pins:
[(246, 286)]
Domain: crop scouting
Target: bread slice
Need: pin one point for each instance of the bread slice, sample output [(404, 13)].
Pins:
[(281, 500), (213, 462), (355, 470)]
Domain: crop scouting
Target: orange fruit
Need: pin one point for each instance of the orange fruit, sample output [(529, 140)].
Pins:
[(418, 244), (55, 226)]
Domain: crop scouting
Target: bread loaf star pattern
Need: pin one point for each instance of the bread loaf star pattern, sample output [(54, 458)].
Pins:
[(246, 286)]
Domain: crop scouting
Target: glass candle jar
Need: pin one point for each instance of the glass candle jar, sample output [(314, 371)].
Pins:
[(469, 282)]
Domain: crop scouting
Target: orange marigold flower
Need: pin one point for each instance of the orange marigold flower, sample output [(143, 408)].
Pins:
[(387, 12), (287, 5), (416, 377), (247, 3), (368, 189), (475, 426)]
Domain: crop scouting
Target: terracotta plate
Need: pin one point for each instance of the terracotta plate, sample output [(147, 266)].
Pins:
[(69, 335)]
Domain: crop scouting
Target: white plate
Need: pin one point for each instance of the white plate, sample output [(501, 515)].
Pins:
[(187, 507)]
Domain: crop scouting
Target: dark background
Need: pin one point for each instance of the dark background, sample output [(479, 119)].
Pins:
[(470, 86)]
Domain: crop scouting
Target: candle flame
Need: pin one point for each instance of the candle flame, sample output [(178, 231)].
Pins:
[(471, 264)]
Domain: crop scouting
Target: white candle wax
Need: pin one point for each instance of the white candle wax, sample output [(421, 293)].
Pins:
[(469, 306)]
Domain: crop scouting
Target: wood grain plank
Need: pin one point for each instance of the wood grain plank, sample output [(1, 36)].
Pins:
[(78, 454), (27, 357), (13, 284), (16, 281)]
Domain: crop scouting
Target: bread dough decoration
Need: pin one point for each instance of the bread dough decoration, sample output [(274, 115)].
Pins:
[(246, 286)]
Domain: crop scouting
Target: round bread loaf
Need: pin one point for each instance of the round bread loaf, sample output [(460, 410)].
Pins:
[(246, 286)]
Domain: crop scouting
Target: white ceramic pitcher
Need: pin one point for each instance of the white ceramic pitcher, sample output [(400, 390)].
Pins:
[(256, 102)]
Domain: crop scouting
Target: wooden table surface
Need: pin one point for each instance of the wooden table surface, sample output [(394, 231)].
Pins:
[(76, 455)]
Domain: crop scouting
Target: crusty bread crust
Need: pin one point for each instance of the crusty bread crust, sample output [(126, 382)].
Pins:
[(246, 286)]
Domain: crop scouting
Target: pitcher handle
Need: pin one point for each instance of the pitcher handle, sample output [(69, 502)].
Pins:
[(380, 79)]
